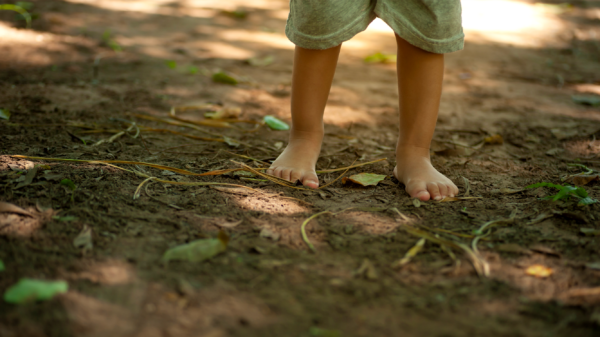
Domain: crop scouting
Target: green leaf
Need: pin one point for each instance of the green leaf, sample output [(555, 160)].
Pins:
[(199, 250), (238, 14), (222, 77), (564, 193), (367, 179), (276, 124), (2, 268), (592, 100), (380, 58), (171, 64), (4, 114), (19, 10), (586, 201), (589, 231), (581, 192), (30, 289), (261, 62), (231, 141), (192, 70), (69, 184)]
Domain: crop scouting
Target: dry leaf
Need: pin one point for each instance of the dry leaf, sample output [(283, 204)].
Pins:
[(582, 180), (561, 134), (229, 224), (199, 250), (581, 296), (416, 202), (555, 151), (365, 179), (538, 270), (495, 139), (5, 207), (83, 240), (224, 113)]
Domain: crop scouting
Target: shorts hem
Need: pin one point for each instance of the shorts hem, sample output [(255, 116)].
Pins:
[(414, 37), (330, 40)]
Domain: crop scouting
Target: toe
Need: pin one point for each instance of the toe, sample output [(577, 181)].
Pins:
[(286, 174), (444, 191), (454, 190), (434, 190), (418, 190), (271, 171), (277, 172), (296, 175), (310, 180)]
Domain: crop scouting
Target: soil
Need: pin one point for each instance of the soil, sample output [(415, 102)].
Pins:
[(67, 86)]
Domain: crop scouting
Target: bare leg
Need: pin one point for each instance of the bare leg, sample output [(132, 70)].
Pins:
[(311, 82), (420, 75)]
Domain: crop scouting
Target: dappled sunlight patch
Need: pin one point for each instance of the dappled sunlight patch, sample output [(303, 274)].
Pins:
[(267, 203), (111, 272)]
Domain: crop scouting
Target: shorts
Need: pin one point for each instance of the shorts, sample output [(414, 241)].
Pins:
[(432, 25)]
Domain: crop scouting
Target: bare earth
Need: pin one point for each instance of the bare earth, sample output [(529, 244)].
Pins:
[(521, 65)]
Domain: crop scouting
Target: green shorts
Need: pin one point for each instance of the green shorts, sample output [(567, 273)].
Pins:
[(432, 25)]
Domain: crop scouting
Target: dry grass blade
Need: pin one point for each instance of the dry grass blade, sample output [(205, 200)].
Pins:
[(336, 179), (412, 252), (274, 179), (139, 188), (481, 267), (246, 157), (303, 229), (118, 134), (160, 167), (352, 166)]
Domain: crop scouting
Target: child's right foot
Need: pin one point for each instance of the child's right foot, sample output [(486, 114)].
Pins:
[(297, 162)]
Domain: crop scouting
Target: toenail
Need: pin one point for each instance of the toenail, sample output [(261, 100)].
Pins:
[(438, 198)]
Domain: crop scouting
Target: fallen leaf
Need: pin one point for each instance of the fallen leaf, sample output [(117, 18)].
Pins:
[(581, 296), (83, 240), (275, 123), (366, 179), (592, 100), (581, 180), (494, 139), (53, 176), (231, 141), (367, 269), (5, 207), (590, 231), (4, 114), (199, 250), (530, 138), (261, 62), (416, 202), (278, 145), (30, 289), (380, 58), (412, 252), (28, 177), (221, 77), (538, 270)]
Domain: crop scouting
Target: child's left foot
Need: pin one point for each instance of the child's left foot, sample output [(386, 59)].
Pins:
[(421, 179)]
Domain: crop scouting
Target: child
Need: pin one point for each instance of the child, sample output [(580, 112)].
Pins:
[(425, 29)]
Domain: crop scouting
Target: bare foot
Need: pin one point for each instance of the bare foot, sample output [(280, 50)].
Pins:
[(421, 179), (297, 162)]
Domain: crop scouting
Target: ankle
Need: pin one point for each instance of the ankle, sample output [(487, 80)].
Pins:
[(409, 150), (308, 134)]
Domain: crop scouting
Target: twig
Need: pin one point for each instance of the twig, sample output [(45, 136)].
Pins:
[(303, 229)]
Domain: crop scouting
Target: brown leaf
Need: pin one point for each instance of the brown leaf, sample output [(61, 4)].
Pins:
[(229, 224), (367, 269), (582, 180), (495, 139), (10, 208), (28, 177), (365, 179)]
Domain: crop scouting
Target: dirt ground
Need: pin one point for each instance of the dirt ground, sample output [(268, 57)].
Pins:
[(87, 69)]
